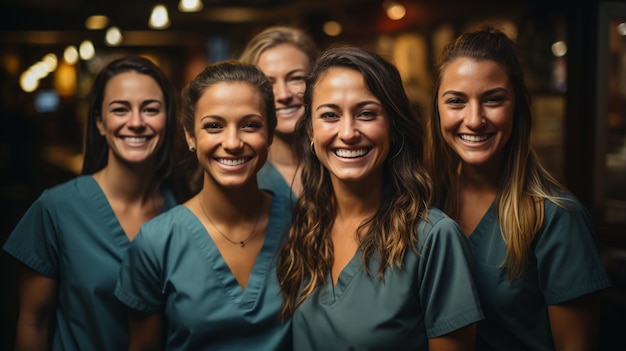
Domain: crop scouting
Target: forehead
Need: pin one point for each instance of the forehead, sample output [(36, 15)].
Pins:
[(236, 97), (132, 83), (469, 72), (283, 57)]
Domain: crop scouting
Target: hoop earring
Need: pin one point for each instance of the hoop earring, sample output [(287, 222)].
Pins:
[(312, 148), (192, 149), (399, 150)]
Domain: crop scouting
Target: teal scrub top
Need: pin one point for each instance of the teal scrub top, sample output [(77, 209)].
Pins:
[(430, 295), (564, 264), (269, 178), (174, 268), (70, 234)]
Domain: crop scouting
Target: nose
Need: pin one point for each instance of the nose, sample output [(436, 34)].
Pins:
[(136, 120), (348, 131), (476, 116), (282, 91), (232, 140)]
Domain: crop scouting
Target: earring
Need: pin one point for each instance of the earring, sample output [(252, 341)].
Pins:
[(312, 148), (192, 149)]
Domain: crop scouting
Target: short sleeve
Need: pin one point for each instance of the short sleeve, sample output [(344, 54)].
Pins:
[(139, 283), (447, 289), (34, 240), (568, 260)]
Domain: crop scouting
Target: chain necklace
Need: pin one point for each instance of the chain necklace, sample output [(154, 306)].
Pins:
[(241, 243)]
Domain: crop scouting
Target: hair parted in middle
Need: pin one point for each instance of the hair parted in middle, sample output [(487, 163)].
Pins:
[(307, 256)]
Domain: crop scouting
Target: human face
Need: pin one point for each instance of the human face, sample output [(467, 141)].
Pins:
[(286, 66), (133, 117), (476, 104), (230, 133), (350, 128)]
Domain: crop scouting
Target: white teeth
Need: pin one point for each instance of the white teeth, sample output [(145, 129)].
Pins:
[(351, 153), (135, 139), (474, 138), (229, 162), (286, 111)]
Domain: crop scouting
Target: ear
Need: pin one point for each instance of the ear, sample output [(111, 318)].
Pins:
[(190, 138), (100, 125)]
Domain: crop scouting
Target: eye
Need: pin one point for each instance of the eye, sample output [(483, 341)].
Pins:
[(329, 115), (252, 126), (212, 127), (297, 79), (367, 115), (120, 110), (454, 101), (495, 100), (152, 110)]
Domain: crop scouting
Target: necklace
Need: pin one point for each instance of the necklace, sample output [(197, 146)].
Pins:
[(241, 243)]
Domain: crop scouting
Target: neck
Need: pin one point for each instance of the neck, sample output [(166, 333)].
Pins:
[(129, 182), (357, 200), (281, 152), (231, 204)]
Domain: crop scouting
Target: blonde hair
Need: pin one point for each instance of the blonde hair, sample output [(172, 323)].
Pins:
[(274, 36)]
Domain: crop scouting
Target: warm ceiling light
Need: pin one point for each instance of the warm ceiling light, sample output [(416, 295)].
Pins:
[(332, 28), (70, 55), (159, 19), (190, 5), (96, 22), (51, 62), (394, 10), (86, 50), (113, 36)]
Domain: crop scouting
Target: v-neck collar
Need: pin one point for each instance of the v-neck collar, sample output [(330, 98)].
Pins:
[(486, 222), (262, 265), (331, 294)]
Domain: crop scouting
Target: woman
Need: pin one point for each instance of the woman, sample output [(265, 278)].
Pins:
[(539, 271), (72, 238), (285, 55), (367, 265), (202, 276)]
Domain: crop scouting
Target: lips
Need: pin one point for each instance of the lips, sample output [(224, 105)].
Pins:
[(345, 153)]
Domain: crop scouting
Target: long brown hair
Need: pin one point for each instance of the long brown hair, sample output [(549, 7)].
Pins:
[(307, 255)]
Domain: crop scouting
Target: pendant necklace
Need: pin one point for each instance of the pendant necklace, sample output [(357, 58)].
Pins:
[(241, 243)]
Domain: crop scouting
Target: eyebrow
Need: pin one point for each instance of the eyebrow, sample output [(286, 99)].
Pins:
[(359, 104), (145, 102), (487, 92)]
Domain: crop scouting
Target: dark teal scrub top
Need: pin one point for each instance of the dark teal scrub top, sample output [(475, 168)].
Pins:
[(70, 234), (430, 295), (269, 178), (173, 267), (564, 264)]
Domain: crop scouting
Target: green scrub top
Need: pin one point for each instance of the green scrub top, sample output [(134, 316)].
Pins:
[(270, 179), (70, 234), (173, 267), (432, 294), (564, 264)]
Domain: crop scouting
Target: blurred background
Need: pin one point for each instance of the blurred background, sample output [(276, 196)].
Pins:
[(574, 53)]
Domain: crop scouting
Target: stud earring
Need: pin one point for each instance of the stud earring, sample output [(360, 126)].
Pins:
[(192, 149)]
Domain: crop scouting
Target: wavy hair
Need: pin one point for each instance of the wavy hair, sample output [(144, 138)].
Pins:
[(96, 149), (307, 255), (524, 183)]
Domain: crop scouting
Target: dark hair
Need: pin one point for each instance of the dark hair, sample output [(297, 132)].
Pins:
[(96, 148), (227, 71), (307, 255)]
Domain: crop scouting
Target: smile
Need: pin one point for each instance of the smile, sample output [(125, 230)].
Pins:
[(351, 153), (287, 111), (231, 162), (135, 139), (475, 138)]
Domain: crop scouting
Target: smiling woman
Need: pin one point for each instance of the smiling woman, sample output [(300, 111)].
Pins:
[(85, 225), (362, 232), (226, 236)]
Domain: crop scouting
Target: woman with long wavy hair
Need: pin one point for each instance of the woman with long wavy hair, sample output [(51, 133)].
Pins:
[(367, 264)]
